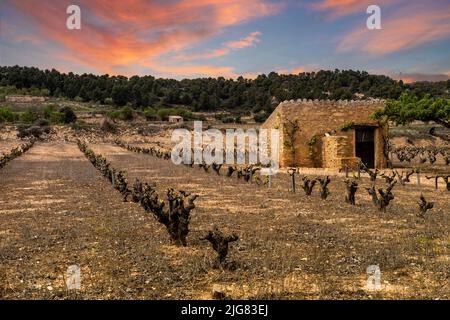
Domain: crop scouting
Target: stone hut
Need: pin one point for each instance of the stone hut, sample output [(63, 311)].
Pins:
[(175, 119), (330, 134)]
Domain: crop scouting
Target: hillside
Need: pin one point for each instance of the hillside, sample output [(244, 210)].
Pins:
[(209, 94)]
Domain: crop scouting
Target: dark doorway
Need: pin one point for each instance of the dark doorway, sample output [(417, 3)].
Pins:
[(365, 145)]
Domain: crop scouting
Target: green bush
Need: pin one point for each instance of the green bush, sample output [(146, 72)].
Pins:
[(150, 114), (29, 116), (228, 119), (260, 117), (127, 113), (187, 115), (6, 115), (238, 120), (31, 131), (68, 116), (114, 114), (164, 114), (220, 116), (56, 118), (48, 110)]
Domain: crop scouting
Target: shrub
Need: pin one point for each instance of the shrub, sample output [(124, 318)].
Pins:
[(48, 110), (109, 101), (164, 114), (228, 119), (187, 115), (6, 115), (150, 114), (126, 113), (260, 117), (29, 116), (68, 116), (114, 114), (56, 118), (238, 120), (220, 116), (31, 131)]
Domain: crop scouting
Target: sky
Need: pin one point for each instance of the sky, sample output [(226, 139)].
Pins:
[(229, 38)]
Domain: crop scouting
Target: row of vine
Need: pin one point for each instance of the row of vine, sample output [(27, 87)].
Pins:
[(175, 216), (15, 153)]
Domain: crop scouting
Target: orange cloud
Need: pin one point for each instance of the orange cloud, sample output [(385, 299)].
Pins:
[(248, 41), (208, 55), (415, 77), (297, 70), (251, 75), (405, 30), (412, 75), (195, 70), (117, 34)]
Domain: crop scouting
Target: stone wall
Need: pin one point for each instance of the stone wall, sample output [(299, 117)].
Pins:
[(24, 99), (320, 117)]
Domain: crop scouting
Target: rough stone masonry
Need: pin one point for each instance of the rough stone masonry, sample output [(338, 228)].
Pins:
[(332, 134)]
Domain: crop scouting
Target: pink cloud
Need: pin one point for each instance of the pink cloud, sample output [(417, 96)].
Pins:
[(248, 41), (415, 77), (299, 69), (195, 70), (404, 30), (250, 75)]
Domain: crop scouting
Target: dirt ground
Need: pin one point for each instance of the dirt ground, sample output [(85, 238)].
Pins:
[(56, 210)]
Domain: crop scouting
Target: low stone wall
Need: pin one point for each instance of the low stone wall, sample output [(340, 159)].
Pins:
[(337, 152), (24, 99)]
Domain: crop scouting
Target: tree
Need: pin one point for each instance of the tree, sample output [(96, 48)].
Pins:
[(409, 108), (120, 95)]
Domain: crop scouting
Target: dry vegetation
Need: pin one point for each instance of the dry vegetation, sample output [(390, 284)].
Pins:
[(57, 210)]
